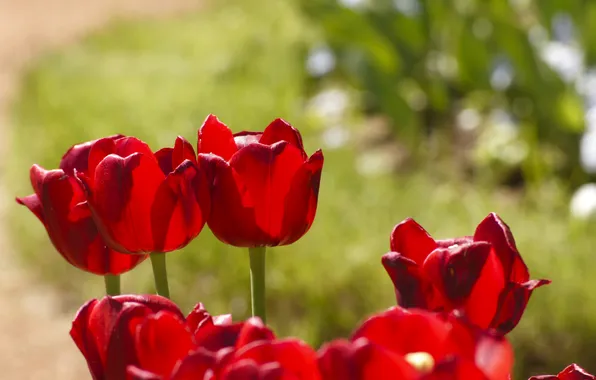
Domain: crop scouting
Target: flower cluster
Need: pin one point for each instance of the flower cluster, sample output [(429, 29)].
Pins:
[(147, 337), (115, 196), (113, 202)]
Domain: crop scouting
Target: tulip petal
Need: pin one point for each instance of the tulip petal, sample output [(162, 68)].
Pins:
[(375, 362), (335, 360), (164, 159), (183, 150), (162, 340), (246, 138), (402, 332), (454, 271), (575, 372), (70, 226), (457, 368), (293, 355), (33, 203), (216, 138), (412, 289), (266, 174), (194, 366), (84, 340), (77, 157), (122, 195), (215, 337), (412, 241), (231, 220), (300, 204), (135, 373), (495, 231), (280, 130), (177, 211), (253, 330), (197, 316), (512, 303)]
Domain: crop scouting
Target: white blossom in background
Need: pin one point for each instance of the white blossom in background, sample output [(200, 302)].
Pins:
[(468, 119), (353, 4), (335, 137), (330, 105), (502, 74), (565, 59), (583, 202), (320, 61), (587, 151)]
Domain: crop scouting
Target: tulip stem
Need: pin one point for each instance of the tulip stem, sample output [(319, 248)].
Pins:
[(257, 282), (112, 282), (160, 274)]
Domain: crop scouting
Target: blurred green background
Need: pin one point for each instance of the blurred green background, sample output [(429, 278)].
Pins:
[(439, 110)]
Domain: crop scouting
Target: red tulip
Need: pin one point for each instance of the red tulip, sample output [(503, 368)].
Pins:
[(145, 202), (572, 372), (482, 275), (265, 188), (417, 344), (60, 205), (103, 331)]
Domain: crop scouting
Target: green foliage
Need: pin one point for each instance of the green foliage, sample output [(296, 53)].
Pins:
[(445, 53), (243, 60)]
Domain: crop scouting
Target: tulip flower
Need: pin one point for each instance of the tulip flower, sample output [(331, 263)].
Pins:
[(265, 190), (482, 275), (417, 344), (144, 202), (572, 372), (60, 205)]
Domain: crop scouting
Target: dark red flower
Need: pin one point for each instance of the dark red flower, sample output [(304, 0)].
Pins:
[(265, 188), (103, 331), (572, 372), (144, 202), (482, 275), (60, 205), (415, 345)]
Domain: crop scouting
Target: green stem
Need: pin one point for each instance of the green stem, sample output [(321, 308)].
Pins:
[(257, 282), (160, 274), (112, 282)]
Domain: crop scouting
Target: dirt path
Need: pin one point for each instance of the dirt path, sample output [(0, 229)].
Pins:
[(34, 341)]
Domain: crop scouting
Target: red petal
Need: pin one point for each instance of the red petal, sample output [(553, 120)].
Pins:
[(216, 138), (232, 221), (253, 330), (85, 341), (264, 179), (122, 198), (412, 241), (177, 212), (375, 362), (197, 315), (455, 271), (457, 369), (135, 373), (294, 356), (281, 130), (301, 201), (33, 204), (575, 372), (161, 341), (194, 366), (245, 138), (512, 303), (335, 361), (71, 228), (215, 337), (154, 302), (182, 151), (493, 230), (483, 302), (164, 159), (402, 331), (412, 289), (76, 158)]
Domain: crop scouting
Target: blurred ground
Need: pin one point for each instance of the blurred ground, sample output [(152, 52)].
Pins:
[(35, 342)]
